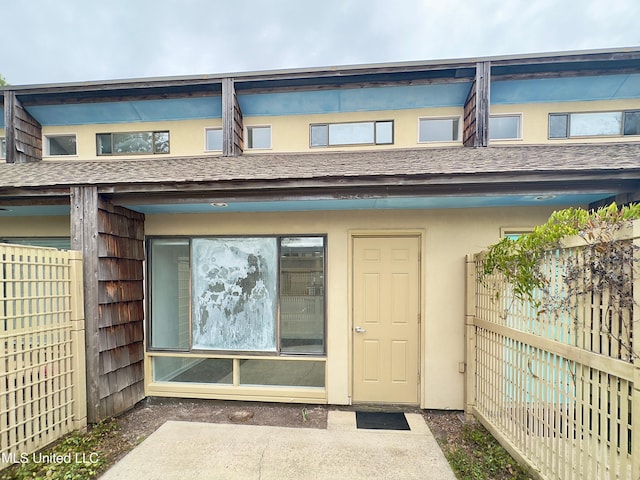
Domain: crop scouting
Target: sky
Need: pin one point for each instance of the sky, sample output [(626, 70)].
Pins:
[(57, 41)]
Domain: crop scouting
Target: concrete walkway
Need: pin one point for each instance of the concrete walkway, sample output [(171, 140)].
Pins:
[(212, 451)]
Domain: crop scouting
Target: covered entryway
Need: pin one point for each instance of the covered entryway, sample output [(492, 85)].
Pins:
[(386, 319)]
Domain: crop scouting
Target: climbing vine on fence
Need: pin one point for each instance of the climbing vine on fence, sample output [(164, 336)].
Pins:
[(608, 264)]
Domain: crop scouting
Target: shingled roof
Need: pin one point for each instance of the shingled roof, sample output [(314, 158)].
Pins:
[(617, 160)]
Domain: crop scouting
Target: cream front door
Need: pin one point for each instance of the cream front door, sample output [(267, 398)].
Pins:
[(386, 327)]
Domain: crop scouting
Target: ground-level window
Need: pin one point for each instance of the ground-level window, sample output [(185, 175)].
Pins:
[(439, 129), (238, 294), (132, 143), (351, 133), (60, 145)]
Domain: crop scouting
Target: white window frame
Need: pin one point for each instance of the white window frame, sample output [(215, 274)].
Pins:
[(45, 144), (512, 231), (518, 115), (444, 117), (246, 137), (206, 145)]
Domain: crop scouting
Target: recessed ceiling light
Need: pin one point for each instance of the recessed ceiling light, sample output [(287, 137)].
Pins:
[(4, 209), (544, 197), (219, 205)]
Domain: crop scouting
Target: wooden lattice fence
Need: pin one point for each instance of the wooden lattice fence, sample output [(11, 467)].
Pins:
[(560, 390), (42, 362)]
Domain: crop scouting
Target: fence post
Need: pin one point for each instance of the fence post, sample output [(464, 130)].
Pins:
[(77, 341), (470, 338), (635, 328)]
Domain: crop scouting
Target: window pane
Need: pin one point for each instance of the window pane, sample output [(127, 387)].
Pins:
[(302, 295), (319, 135), (351, 133), (161, 142), (193, 370), (558, 126), (139, 142), (103, 144), (3, 148), (289, 373), (632, 123), (438, 130), (62, 145), (170, 294), (234, 293), (259, 137), (214, 139), (384, 132), (504, 127), (599, 123)]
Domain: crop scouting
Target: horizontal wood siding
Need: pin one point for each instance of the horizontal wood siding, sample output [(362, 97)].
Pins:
[(470, 122), (120, 250), (238, 127)]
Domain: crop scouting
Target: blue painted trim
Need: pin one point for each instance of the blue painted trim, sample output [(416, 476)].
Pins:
[(354, 100), (128, 112), (572, 89)]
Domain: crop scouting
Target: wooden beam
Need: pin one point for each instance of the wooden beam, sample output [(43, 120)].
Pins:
[(232, 124), (483, 100), (9, 133), (84, 237)]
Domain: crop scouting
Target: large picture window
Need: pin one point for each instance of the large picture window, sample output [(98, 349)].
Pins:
[(238, 294), (594, 124)]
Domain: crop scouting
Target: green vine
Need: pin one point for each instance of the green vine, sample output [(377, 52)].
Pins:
[(519, 259)]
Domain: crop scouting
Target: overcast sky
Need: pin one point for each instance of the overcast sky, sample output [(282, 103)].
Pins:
[(51, 41)]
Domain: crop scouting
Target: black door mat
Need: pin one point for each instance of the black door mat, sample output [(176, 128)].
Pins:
[(382, 421)]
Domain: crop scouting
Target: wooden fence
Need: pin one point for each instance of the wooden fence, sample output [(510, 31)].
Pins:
[(42, 358), (558, 387)]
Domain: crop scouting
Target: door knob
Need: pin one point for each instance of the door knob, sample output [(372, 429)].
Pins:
[(359, 329)]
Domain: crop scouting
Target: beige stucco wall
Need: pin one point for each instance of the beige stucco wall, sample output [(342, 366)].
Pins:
[(55, 226), (448, 235), (535, 120)]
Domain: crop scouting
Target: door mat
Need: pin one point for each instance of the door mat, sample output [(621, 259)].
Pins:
[(382, 421)]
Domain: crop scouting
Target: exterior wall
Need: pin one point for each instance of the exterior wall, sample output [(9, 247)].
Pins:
[(448, 235), (56, 226), (187, 137), (535, 120)]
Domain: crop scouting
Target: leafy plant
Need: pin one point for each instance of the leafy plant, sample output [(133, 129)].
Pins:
[(78, 456)]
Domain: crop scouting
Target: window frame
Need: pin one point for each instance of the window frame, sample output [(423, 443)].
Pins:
[(375, 133), (568, 115), (47, 145), (278, 352), (124, 154), (457, 118), (249, 146), (519, 116), (206, 144)]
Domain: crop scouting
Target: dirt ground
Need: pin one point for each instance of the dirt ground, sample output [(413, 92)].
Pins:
[(140, 422)]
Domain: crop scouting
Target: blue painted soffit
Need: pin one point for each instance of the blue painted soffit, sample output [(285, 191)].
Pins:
[(408, 203), (354, 99), (128, 111), (569, 89)]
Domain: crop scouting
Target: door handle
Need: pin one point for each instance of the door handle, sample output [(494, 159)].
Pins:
[(359, 329)]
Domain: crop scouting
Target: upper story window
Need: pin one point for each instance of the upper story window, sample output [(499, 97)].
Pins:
[(3, 148), (213, 139), (505, 127), (259, 137), (132, 143), (352, 133), (59, 145), (594, 124), (439, 129)]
